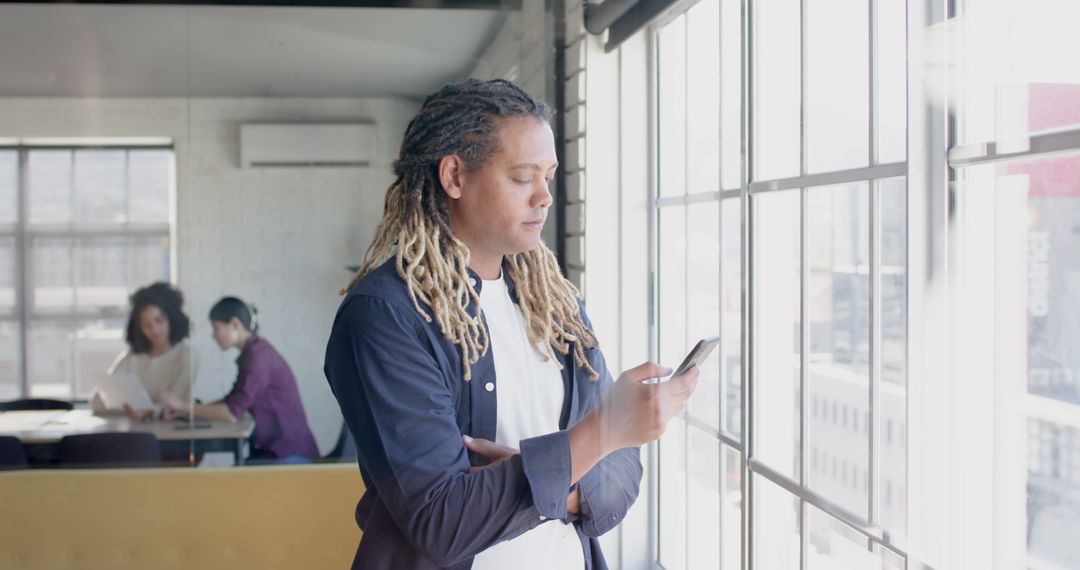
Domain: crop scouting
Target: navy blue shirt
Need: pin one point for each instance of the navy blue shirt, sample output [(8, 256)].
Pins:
[(402, 391)]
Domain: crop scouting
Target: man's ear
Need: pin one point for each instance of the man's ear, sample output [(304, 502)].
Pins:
[(451, 174)]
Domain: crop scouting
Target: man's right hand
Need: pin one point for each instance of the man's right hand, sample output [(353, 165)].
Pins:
[(634, 413), (631, 414)]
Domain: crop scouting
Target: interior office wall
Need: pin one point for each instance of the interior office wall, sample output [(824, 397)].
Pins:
[(277, 237)]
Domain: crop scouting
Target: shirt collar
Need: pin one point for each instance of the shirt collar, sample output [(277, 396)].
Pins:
[(247, 346), (478, 283)]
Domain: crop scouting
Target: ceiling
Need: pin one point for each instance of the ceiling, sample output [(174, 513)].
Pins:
[(106, 50)]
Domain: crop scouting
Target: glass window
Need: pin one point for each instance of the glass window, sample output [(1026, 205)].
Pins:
[(102, 276), (730, 94), (777, 329), (7, 276), (704, 500), (776, 527), (52, 348), (890, 73), (98, 342), (892, 394), (100, 186), (731, 506), (50, 179), (702, 94), (673, 306), (673, 119), (837, 85), (84, 257), (703, 303), (9, 187), (1036, 261), (776, 89), (673, 495), (10, 387), (838, 309), (1011, 89), (53, 280), (149, 176), (731, 317), (149, 260)]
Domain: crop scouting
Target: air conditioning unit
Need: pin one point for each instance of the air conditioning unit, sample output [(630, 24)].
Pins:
[(306, 144)]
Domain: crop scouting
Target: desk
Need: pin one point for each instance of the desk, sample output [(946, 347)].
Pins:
[(47, 427)]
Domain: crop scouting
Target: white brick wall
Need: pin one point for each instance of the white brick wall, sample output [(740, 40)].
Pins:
[(502, 59), (279, 238)]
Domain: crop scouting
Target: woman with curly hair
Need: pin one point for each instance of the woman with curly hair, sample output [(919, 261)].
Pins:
[(158, 352)]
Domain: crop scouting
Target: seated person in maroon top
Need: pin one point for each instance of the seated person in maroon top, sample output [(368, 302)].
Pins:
[(265, 387)]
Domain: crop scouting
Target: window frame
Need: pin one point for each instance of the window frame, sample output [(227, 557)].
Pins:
[(24, 233), (873, 175)]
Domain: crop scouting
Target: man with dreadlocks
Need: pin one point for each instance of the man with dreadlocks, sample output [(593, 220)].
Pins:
[(489, 431)]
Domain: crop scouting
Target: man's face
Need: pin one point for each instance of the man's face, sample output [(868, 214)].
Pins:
[(503, 204)]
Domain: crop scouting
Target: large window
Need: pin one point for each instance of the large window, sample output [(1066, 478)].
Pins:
[(782, 227), (80, 228)]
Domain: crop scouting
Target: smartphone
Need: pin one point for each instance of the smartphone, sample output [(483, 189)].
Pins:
[(697, 355)]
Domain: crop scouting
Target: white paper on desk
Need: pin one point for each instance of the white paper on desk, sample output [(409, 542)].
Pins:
[(124, 387)]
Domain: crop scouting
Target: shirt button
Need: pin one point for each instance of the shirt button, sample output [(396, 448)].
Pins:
[(472, 281), (543, 518), (490, 386)]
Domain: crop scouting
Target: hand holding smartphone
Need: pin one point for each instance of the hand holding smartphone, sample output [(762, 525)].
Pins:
[(697, 355)]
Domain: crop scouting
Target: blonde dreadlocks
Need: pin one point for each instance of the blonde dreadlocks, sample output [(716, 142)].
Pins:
[(463, 119)]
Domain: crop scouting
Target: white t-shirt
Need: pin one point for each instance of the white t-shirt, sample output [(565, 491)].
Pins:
[(529, 400), (173, 371)]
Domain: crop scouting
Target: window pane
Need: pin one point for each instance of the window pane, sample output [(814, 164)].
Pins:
[(102, 278), (9, 360), (838, 293), (53, 277), (893, 394), (672, 293), (7, 275), (730, 94), (51, 347), (776, 527), (1012, 79), (833, 544), (149, 174), (703, 501), (703, 303), (731, 507), (50, 186), (837, 85), (731, 319), (149, 260), (777, 329), (97, 345), (672, 86), (1034, 263), (673, 495), (776, 89), (890, 95), (100, 186), (9, 186), (703, 96)]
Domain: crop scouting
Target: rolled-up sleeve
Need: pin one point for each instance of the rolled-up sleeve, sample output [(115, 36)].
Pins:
[(609, 489), (382, 368), (251, 382)]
